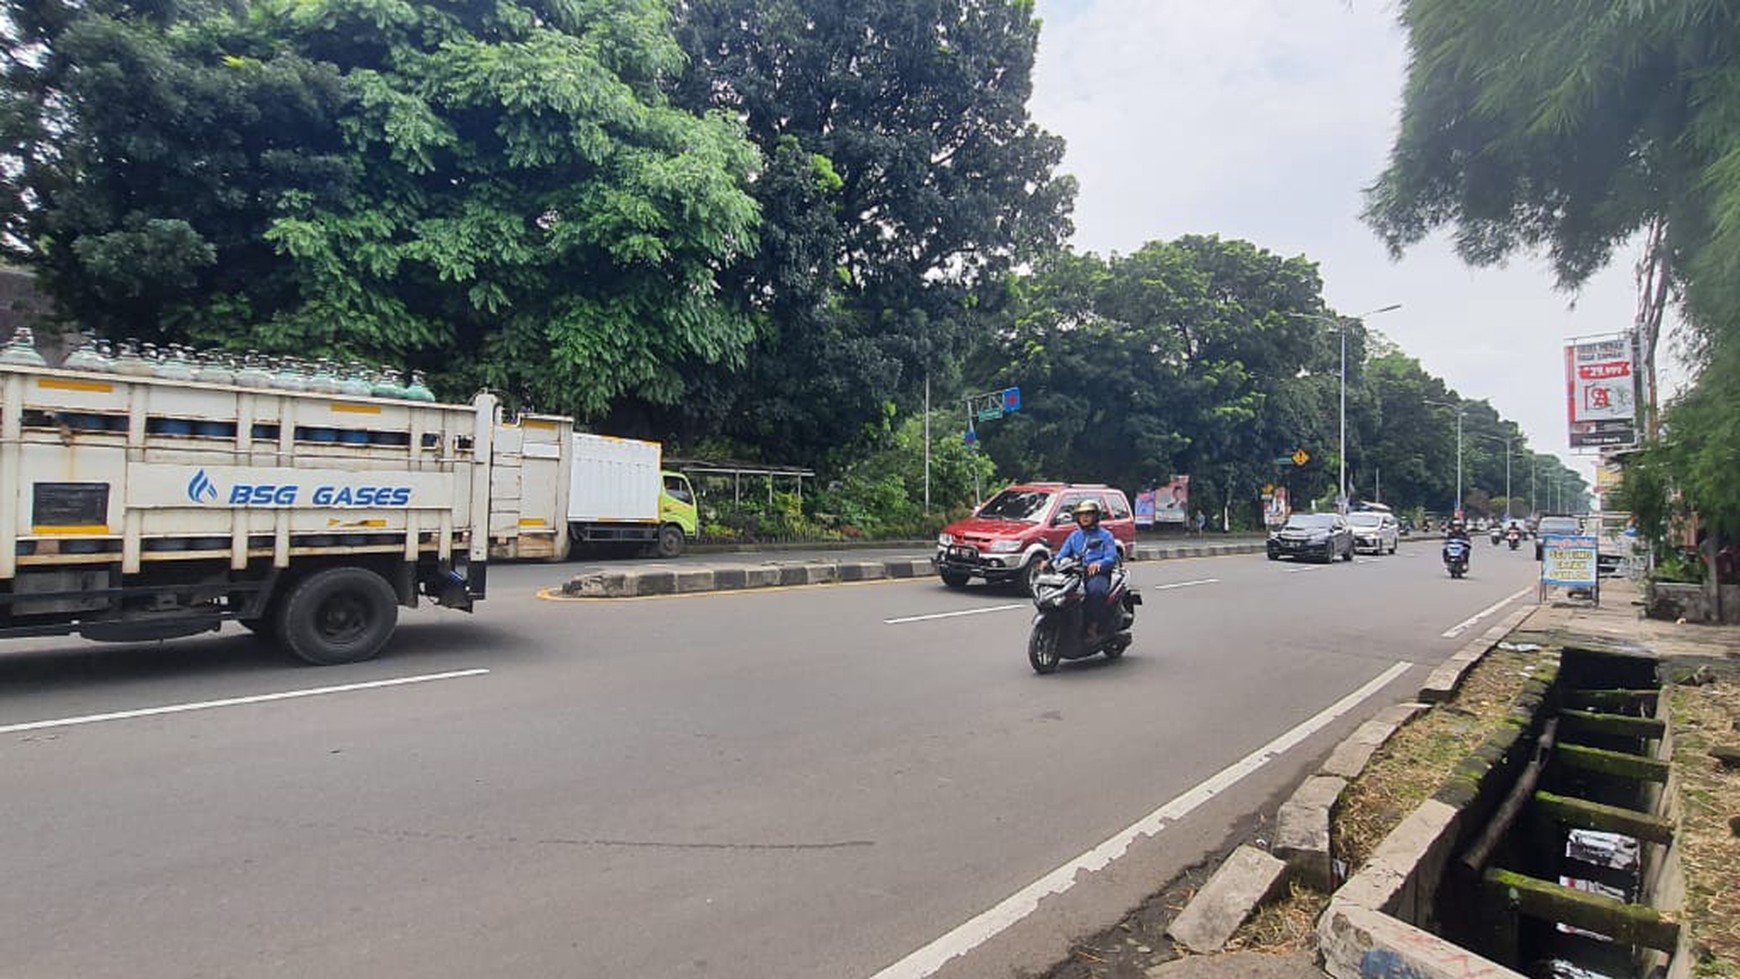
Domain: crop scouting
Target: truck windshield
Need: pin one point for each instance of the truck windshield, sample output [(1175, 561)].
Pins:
[(1017, 505)]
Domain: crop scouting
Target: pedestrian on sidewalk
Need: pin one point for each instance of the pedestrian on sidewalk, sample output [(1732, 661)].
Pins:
[(1201, 520)]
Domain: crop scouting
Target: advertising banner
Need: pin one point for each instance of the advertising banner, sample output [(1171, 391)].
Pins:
[(1608, 478), (1172, 501), (1568, 562), (1145, 509), (1599, 388), (1276, 511)]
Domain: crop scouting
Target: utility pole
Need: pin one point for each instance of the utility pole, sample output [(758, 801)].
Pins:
[(927, 442)]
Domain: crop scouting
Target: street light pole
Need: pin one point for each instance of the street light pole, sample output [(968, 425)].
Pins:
[(1341, 500), (1507, 440)]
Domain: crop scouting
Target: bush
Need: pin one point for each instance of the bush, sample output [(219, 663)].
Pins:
[(882, 495)]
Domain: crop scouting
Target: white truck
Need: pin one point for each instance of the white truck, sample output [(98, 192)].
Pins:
[(554, 488), (138, 508)]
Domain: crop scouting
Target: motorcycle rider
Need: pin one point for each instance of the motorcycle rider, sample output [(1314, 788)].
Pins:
[(1457, 530), (1097, 550)]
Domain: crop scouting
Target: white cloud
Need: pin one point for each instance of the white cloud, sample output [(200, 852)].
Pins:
[(1263, 119)]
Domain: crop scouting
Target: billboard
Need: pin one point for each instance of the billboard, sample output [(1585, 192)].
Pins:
[(1608, 478), (1600, 386), (1145, 509), (1275, 509), (1172, 501)]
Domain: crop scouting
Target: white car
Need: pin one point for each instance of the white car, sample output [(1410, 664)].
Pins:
[(1374, 531)]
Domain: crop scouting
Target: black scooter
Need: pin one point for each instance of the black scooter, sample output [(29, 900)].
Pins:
[(1456, 556), (1060, 626)]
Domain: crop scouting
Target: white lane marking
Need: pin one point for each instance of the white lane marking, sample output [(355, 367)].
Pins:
[(950, 615), (1183, 584), (122, 715), (1005, 608), (1302, 568), (1460, 627), (927, 960)]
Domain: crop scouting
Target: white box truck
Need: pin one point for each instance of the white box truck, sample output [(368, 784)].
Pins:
[(611, 491), (136, 508)]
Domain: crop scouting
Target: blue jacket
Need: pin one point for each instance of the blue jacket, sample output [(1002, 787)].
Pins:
[(1096, 546)]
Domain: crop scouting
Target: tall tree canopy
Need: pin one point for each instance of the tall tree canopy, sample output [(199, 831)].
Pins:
[(1573, 128), (496, 190), (1185, 356), (903, 173), (1217, 359)]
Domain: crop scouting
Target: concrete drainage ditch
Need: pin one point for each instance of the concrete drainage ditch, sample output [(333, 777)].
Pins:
[(1550, 851)]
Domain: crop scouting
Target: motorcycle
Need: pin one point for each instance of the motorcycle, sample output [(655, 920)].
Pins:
[(1456, 557), (1060, 624), (1496, 535), (1514, 537)]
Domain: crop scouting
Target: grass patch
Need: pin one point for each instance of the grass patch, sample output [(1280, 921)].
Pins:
[(1704, 717), (1418, 758), (1281, 926)]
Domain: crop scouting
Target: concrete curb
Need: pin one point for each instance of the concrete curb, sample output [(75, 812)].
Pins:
[(1442, 683), (1164, 552), (1247, 878), (686, 581)]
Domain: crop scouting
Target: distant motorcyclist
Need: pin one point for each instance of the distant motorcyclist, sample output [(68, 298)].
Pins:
[(1097, 550), (1457, 530)]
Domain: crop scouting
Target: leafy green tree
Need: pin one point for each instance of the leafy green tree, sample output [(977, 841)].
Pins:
[(499, 192), (1573, 129), (904, 175), (1183, 357), (145, 150)]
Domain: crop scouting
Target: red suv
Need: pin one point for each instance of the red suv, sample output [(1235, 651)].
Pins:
[(1016, 530)]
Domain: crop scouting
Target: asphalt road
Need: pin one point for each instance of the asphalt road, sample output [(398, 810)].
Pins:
[(806, 782)]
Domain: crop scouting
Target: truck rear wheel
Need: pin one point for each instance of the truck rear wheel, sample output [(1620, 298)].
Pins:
[(340, 615), (670, 540)]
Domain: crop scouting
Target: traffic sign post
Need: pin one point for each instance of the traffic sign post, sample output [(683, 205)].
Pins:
[(987, 407)]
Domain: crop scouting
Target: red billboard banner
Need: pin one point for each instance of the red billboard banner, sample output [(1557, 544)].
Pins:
[(1600, 386)]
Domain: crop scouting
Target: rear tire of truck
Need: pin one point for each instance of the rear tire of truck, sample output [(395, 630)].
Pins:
[(340, 615), (670, 541)]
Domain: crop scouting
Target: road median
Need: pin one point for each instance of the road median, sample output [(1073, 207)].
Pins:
[(684, 580)]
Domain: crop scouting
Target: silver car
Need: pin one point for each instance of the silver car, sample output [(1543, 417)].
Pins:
[(1374, 531)]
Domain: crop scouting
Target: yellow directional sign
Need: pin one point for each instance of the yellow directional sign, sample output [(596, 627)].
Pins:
[(1301, 457)]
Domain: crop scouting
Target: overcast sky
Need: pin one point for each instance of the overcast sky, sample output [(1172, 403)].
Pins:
[(1263, 119)]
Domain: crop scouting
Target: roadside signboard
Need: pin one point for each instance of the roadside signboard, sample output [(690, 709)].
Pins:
[(1145, 509), (1599, 390), (1172, 501), (1570, 562), (1608, 477), (1276, 511)]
